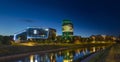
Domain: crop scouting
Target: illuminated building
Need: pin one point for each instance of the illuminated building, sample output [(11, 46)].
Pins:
[(33, 33), (68, 57), (67, 29)]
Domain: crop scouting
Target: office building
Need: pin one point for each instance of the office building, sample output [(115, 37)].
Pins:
[(33, 33)]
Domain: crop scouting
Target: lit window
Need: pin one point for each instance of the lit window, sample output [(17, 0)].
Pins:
[(46, 29), (35, 31)]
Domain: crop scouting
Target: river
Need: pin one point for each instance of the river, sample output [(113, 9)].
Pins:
[(70, 55)]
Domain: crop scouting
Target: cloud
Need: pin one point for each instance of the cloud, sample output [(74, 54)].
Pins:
[(28, 21)]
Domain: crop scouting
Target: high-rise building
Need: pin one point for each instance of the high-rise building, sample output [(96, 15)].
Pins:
[(67, 29)]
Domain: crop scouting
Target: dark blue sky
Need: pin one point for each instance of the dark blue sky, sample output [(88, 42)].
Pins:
[(88, 16)]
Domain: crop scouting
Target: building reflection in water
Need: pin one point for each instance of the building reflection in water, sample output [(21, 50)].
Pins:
[(34, 58), (31, 58), (61, 56)]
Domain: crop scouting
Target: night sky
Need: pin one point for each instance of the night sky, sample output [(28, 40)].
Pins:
[(90, 17)]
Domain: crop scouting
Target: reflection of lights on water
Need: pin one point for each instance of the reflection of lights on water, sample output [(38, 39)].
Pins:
[(34, 58), (42, 58), (31, 58), (51, 56), (67, 53), (19, 61), (94, 49), (68, 60), (68, 57), (84, 51)]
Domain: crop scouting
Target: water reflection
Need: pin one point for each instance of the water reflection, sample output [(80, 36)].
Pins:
[(61, 56)]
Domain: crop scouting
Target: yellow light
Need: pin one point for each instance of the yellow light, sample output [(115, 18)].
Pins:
[(68, 60), (65, 61), (30, 44), (31, 58), (94, 49)]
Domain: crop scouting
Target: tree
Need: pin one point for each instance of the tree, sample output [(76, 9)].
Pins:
[(77, 39), (5, 39), (59, 39), (1, 37)]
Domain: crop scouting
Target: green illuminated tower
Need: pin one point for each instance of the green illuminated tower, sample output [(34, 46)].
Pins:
[(67, 30)]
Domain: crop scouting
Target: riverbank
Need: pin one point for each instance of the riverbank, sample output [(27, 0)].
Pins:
[(110, 54), (97, 57), (13, 51)]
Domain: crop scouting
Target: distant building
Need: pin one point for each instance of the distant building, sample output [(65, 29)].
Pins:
[(33, 33), (67, 29)]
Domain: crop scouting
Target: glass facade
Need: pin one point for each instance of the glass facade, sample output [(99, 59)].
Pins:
[(37, 33), (20, 35)]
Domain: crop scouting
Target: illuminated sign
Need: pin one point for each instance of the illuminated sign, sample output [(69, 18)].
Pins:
[(67, 28)]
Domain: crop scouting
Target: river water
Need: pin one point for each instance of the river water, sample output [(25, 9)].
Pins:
[(70, 55)]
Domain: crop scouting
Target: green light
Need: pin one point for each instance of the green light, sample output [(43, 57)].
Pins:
[(67, 21)]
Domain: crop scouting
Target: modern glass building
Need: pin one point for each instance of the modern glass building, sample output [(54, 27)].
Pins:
[(32, 33), (20, 36), (37, 33)]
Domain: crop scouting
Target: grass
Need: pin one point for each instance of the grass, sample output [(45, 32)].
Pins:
[(6, 50)]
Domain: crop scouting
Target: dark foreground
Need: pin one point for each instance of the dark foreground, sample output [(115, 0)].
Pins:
[(112, 54)]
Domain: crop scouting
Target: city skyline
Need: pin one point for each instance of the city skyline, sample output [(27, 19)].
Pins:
[(88, 17)]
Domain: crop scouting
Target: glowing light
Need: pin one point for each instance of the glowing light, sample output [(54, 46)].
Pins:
[(35, 31), (36, 60), (68, 60), (31, 58), (67, 28), (94, 49), (27, 44), (14, 37), (46, 29), (36, 56)]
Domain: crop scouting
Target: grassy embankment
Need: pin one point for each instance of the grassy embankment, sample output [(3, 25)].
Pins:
[(21, 48)]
